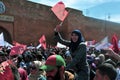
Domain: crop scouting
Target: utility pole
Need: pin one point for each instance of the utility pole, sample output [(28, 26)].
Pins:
[(107, 18)]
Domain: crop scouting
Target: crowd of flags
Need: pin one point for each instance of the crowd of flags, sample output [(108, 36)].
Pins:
[(18, 48), (114, 44)]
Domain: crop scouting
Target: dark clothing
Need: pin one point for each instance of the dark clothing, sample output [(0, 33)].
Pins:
[(79, 63)]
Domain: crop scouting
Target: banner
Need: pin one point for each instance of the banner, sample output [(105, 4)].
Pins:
[(2, 40), (102, 44), (60, 45)]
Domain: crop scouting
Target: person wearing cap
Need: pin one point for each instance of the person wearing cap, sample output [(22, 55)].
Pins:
[(78, 52), (54, 67)]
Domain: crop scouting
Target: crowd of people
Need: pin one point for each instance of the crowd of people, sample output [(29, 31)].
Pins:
[(75, 63)]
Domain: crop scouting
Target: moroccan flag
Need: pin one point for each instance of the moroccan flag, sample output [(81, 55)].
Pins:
[(115, 43), (42, 41), (59, 11), (18, 44), (17, 48)]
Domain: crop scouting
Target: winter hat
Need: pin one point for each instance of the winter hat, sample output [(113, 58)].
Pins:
[(52, 62)]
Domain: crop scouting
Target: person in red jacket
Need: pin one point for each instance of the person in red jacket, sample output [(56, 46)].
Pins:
[(8, 71)]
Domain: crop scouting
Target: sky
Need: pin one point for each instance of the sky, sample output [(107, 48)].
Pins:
[(100, 9)]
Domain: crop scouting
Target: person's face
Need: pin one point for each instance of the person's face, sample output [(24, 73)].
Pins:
[(74, 37), (51, 74), (98, 76)]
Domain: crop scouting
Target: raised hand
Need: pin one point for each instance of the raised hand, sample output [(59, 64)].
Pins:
[(57, 28)]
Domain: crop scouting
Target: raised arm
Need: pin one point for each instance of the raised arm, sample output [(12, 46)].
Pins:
[(59, 38), (111, 53)]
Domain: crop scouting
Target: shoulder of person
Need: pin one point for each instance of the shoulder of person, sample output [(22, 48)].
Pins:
[(82, 43)]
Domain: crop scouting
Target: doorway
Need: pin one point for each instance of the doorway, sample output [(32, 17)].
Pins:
[(7, 36)]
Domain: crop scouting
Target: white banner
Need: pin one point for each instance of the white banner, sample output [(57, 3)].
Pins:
[(60, 45), (2, 43)]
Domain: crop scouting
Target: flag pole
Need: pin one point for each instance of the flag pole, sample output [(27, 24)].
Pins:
[(61, 23)]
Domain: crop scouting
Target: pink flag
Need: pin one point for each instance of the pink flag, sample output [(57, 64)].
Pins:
[(42, 41), (59, 11)]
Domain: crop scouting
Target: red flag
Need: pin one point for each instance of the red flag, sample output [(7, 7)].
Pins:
[(18, 48), (115, 43), (16, 43), (42, 41), (59, 11)]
